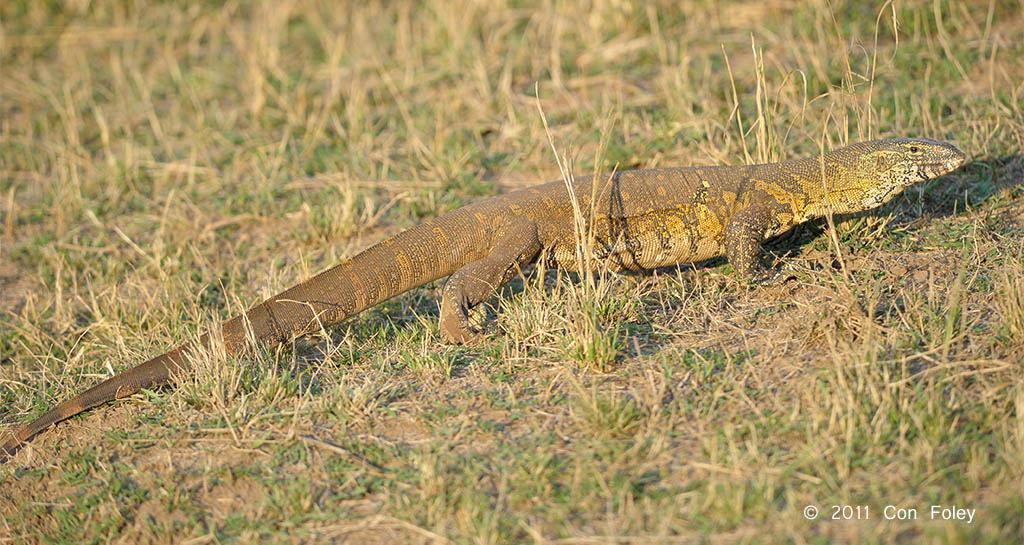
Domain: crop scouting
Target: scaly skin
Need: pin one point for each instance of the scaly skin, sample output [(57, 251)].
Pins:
[(641, 219)]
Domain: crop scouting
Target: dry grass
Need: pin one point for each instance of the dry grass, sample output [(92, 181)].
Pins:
[(162, 166)]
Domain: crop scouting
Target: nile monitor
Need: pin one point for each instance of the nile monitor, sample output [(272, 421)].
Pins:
[(640, 219)]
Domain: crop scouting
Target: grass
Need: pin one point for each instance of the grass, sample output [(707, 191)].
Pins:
[(162, 166)]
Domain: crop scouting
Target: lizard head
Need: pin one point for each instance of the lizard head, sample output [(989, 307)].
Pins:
[(885, 167)]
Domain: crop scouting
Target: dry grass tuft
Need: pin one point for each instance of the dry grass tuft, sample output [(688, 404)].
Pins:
[(1010, 298)]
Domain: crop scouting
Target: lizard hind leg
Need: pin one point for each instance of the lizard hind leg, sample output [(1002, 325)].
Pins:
[(516, 245)]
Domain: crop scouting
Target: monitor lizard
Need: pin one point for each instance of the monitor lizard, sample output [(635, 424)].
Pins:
[(641, 219)]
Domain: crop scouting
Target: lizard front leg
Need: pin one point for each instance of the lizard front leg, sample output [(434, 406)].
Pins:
[(744, 233), (515, 246)]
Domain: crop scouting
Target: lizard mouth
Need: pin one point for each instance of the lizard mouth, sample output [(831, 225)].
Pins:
[(941, 168)]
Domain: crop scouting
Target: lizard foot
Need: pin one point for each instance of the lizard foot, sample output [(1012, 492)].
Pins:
[(774, 277), (465, 327)]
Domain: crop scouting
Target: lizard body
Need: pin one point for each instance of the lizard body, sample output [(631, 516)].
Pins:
[(640, 219)]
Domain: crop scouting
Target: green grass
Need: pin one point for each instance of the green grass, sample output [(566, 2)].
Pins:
[(164, 165)]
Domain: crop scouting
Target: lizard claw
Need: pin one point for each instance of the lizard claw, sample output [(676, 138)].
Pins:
[(464, 336), (463, 327), (775, 277)]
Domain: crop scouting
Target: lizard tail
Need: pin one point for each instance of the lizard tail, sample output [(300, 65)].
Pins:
[(154, 372), (432, 250)]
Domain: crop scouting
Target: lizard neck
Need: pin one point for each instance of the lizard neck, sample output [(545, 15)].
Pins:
[(831, 183)]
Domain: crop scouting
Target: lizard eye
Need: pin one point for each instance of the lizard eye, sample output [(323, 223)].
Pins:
[(914, 149)]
